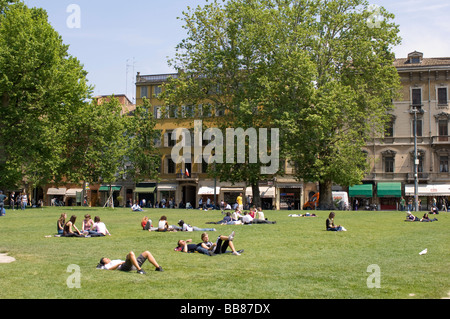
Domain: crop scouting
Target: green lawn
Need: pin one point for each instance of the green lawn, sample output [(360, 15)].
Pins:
[(295, 258)]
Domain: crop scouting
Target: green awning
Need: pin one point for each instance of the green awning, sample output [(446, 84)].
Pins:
[(389, 189), (145, 190), (364, 190), (107, 188)]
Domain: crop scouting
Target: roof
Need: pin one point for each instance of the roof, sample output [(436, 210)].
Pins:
[(426, 62)]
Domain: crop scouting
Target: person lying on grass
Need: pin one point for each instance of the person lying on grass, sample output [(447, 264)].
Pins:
[(184, 246), (208, 248), (130, 263), (189, 228), (220, 246)]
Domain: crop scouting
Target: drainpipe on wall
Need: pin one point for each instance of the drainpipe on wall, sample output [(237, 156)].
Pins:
[(429, 119)]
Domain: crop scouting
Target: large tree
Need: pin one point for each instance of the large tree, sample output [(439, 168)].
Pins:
[(349, 44), (222, 65), (104, 146), (321, 71), (41, 89)]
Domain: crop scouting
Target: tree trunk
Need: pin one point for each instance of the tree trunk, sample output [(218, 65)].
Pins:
[(326, 196), (256, 195)]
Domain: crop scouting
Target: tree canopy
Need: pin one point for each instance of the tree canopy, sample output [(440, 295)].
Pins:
[(320, 71), (51, 128), (41, 88)]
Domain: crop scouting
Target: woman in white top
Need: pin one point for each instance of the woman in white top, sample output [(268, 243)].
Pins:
[(163, 225), (99, 228)]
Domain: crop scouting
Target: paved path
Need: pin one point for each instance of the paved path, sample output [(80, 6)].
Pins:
[(5, 259)]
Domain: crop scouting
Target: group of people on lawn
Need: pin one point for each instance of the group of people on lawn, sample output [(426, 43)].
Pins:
[(89, 228), (97, 228)]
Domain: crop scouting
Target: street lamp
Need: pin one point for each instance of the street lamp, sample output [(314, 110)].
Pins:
[(416, 109)]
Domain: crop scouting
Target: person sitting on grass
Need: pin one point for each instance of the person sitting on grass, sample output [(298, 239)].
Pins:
[(164, 226), (87, 225), (260, 218), (99, 228), (330, 224), (60, 223), (220, 246), (70, 230), (130, 263), (136, 208), (146, 224)]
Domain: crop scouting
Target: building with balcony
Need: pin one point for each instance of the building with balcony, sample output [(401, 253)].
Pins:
[(423, 106), (424, 96), (189, 182)]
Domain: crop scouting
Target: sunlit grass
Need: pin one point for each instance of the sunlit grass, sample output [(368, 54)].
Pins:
[(295, 258)]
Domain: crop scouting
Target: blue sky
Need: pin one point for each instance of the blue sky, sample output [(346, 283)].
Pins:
[(116, 39)]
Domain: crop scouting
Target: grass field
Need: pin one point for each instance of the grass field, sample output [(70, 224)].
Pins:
[(293, 259)]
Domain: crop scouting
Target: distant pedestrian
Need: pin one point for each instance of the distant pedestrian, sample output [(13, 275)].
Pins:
[(2, 203), (12, 199), (24, 201)]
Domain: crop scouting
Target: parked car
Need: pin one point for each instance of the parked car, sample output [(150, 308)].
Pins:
[(340, 199)]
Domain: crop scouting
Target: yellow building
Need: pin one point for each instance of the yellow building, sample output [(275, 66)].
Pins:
[(189, 182)]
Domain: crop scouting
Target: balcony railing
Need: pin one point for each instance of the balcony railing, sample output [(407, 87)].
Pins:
[(155, 78), (184, 177), (420, 176), (441, 139)]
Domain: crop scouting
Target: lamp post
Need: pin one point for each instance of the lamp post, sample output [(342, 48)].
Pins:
[(416, 109)]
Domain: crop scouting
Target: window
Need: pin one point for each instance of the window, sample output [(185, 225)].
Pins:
[(443, 130), (419, 127), (157, 112), (443, 164), (144, 91), (157, 140), (173, 112), (204, 167), (158, 90), (188, 111), (171, 166), (168, 139), (416, 96), (442, 96), (389, 129), (389, 164), (420, 166)]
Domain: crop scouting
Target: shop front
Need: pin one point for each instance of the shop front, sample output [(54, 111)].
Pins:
[(389, 194), (290, 196), (429, 194), (74, 197), (165, 192), (110, 194), (206, 194), (56, 196), (230, 194), (144, 193), (360, 196), (267, 194)]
